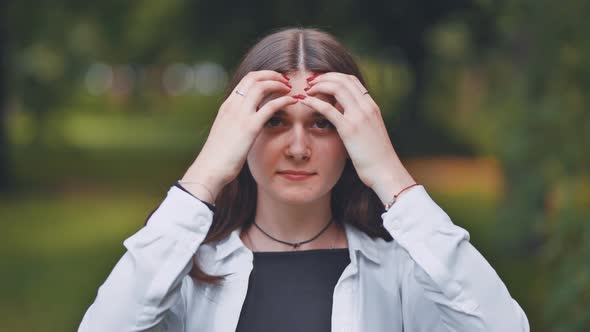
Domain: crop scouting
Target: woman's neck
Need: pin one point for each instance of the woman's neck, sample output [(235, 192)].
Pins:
[(293, 223)]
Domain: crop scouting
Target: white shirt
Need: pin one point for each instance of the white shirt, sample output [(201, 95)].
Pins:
[(429, 278)]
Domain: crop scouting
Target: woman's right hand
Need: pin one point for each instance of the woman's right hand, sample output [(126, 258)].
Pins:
[(236, 126)]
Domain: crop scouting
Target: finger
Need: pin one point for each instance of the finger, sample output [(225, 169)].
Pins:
[(351, 82), (266, 112), (364, 99), (327, 110), (342, 92), (355, 80), (260, 75), (260, 90)]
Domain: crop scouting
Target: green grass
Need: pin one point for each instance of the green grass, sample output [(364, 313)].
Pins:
[(58, 250)]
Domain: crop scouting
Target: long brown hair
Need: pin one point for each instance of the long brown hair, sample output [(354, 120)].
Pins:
[(289, 50)]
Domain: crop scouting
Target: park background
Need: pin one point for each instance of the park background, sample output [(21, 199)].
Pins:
[(104, 104)]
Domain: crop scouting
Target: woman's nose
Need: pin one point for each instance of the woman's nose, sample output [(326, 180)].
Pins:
[(298, 145)]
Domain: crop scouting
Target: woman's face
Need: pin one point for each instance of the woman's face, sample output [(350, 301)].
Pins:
[(296, 139)]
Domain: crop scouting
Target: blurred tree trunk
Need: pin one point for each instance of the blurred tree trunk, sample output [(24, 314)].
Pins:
[(4, 178)]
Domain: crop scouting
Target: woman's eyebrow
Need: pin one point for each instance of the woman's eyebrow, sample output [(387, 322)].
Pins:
[(315, 114)]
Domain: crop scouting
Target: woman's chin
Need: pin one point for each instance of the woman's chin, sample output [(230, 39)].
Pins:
[(297, 196)]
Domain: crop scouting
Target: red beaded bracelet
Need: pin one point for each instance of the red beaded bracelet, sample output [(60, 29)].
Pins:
[(394, 199)]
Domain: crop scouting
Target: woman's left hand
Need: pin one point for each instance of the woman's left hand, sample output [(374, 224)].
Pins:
[(361, 128)]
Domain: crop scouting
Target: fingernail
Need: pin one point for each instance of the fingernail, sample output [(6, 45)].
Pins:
[(287, 84), (299, 96), (307, 88), (311, 78), (286, 77)]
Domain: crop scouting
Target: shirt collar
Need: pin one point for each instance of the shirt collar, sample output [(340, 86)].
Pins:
[(357, 241), (360, 241)]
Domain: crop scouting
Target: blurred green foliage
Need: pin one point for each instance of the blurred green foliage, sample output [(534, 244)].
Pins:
[(524, 101)]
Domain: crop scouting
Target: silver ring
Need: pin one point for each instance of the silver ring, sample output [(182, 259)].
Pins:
[(240, 93), (365, 93)]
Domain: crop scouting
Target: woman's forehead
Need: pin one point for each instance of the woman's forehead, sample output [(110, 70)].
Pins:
[(327, 98)]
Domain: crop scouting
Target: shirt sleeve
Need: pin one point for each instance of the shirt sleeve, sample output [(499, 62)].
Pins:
[(142, 292), (445, 282)]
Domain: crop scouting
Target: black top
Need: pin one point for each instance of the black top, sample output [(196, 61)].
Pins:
[(292, 290)]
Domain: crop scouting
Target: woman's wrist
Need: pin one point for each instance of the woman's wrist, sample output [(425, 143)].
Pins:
[(198, 190), (201, 184), (393, 183), (181, 187)]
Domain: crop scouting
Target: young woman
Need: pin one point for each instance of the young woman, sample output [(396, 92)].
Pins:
[(298, 215)]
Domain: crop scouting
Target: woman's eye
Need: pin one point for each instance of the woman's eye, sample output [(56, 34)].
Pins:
[(321, 124), (325, 124), (270, 122)]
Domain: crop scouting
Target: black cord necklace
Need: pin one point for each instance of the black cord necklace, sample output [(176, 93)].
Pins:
[(296, 244)]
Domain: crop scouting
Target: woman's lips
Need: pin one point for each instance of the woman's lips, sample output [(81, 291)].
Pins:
[(296, 177)]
